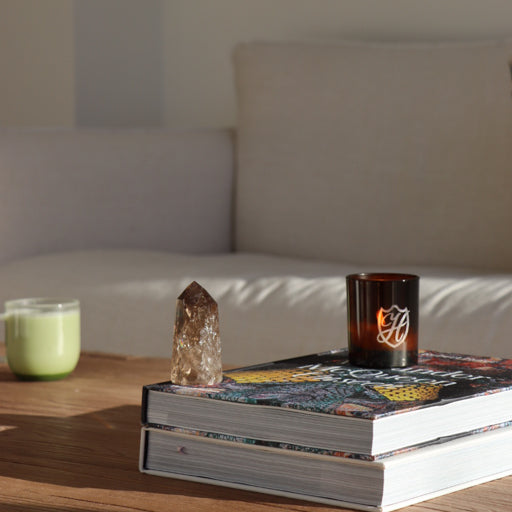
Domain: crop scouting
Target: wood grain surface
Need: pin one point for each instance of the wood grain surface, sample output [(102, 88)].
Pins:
[(73, 445)]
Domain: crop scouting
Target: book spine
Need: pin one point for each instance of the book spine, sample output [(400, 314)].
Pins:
[(143, 449), (144, 405)]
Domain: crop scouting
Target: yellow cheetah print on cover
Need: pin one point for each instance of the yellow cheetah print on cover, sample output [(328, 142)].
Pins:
[(278, 375), (412, 393)]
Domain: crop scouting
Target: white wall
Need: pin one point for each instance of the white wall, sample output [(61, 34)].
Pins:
[(168, 62), (36, 63), (118, 64), (200, 35)]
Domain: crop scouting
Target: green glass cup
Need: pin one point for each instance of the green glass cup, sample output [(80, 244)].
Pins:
[(42, 337)]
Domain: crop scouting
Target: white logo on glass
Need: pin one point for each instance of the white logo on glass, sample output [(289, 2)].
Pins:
[(393, 325)]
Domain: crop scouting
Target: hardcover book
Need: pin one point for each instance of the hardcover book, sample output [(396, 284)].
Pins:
[(328, 477), (323, 402)]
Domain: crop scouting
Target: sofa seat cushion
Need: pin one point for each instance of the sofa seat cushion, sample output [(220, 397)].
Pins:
[(376, 153), (270, 307)]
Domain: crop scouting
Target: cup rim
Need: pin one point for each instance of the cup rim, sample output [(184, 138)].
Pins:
[(54, 304), (382, 277)]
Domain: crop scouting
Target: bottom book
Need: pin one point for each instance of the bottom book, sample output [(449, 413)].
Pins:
[(390, 483)]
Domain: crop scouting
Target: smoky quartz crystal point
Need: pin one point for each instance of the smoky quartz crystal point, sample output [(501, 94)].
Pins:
[(196, 352)]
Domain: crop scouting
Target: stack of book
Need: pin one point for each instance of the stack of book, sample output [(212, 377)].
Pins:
[(317, 428)]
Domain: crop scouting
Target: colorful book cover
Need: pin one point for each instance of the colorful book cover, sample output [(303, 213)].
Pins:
[(327, 383)]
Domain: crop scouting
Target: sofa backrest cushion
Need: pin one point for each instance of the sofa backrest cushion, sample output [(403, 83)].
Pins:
[(376, 153), (67, 189)]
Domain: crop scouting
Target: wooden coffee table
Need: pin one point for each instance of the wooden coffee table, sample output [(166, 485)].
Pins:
[(73, 445)]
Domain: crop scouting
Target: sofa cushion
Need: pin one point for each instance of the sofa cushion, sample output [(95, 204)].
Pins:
[(376, 153), (270, 307), (65, 189)]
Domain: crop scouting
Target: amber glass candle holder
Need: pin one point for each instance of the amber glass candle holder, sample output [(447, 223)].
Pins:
[(382, 314)]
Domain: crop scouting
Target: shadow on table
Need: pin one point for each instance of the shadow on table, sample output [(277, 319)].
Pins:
[(37, 508), (98, 450)]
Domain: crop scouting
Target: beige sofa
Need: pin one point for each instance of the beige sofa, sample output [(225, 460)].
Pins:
[(346, 157)]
